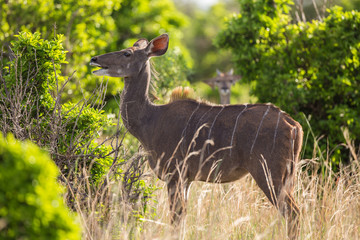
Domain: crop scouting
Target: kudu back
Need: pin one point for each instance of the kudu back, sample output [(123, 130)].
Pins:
[(188, 140)]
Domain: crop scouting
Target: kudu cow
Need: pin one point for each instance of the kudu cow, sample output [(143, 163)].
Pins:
[(223, 81), (188, 140)]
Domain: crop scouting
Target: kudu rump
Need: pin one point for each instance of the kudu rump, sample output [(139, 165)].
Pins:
[(188, 140)]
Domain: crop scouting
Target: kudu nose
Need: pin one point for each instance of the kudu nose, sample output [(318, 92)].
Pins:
[(225, 90), (93, 59)]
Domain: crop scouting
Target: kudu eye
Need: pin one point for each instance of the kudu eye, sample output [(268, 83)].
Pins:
[(127, 54)]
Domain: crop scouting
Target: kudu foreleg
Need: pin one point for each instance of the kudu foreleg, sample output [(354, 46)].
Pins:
[(177, 193)]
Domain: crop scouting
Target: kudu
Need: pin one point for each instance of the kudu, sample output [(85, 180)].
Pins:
[(188, 140), (223, 81)]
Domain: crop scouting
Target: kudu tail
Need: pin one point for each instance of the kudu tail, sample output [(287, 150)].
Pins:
[(288, 206), (296, 145)]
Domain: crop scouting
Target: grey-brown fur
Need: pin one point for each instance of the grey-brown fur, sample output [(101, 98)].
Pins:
[(190, 141)]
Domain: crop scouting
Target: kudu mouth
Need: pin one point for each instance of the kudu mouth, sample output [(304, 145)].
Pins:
[(103, 69)]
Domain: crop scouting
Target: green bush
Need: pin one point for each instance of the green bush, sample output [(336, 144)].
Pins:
[(32, 109), (31, 206), (307, 67), (36, 63)]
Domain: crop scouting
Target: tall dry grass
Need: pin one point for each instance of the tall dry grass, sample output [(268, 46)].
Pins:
[(329, 205)]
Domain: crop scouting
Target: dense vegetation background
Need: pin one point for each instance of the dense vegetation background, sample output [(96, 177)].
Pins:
[(302, 56)]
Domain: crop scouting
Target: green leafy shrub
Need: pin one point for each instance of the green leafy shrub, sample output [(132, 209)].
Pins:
[(31, 206), (31, 108), (35, 65), (31, 87), (307, 67), (82, 126)]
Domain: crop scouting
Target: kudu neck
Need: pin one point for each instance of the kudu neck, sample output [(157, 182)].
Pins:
[(136, 88), (225, 99), (135, 104)]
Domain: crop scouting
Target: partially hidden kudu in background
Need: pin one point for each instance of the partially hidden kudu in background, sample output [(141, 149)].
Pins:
[(223, 81), (188, 140)]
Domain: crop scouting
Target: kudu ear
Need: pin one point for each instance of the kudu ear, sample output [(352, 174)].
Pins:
[(218, 72), (236, 78), (158, 46), (141, 43), (231, 72)]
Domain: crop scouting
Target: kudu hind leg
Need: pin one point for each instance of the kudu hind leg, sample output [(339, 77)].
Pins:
[(291, 212), (278, 190), (288, 208)]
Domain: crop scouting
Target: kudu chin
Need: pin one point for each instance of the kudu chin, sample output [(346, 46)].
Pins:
[(188, 140)]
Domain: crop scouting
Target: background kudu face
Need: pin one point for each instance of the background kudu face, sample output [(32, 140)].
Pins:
[(224, 81)]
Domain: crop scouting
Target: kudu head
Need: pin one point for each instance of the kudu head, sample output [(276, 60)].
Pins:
[(130, 61), (223, 81)]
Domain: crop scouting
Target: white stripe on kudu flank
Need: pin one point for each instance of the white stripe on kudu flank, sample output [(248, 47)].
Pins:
[(202, 117), (258, 130), (237, 118), (275, 133), (188, 121), (212, 125)]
